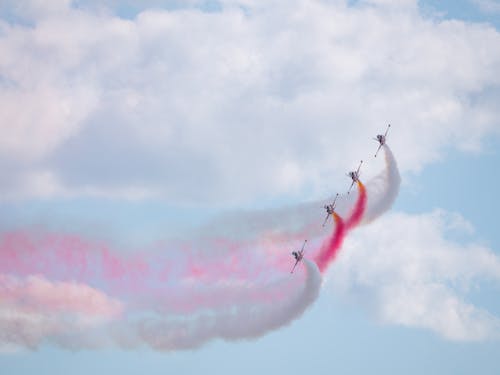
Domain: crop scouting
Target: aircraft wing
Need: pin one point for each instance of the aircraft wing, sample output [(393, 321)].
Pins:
[(348, 191), (357, 172), (326, 218), (302, 251), (378, 149), (335, 200), (295, 265)]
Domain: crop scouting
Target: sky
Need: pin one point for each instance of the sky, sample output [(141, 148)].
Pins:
[(157, 127)]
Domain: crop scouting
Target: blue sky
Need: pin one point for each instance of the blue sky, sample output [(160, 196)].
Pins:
[(138, 125), (466, 10)]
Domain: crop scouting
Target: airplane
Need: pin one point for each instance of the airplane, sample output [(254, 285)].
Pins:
[(381, 139), (298, 255), (330, 209), (355, 176)]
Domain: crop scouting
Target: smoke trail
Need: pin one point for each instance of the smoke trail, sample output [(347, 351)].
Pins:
[(383, 188), (199, 296), (223, 273), (180, 298), (359, 208), (332, 245), (330, 248), (238, 323), (301, 221)]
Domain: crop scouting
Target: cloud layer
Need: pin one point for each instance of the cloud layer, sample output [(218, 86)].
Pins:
[(95, 104), (248, 100)]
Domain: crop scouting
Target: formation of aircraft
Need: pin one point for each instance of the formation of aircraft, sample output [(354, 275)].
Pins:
[(330, 208)]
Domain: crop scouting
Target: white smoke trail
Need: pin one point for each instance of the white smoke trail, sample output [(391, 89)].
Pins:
[(22, 328), (383, 189), (225, 293), (177, 303), (304, 220), (237, 323)]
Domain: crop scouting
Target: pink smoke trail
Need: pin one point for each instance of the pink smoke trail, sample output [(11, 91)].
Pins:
[(180, 298), (68, 257), (330, 248), (332, 245), (229, 282), (390, 177)]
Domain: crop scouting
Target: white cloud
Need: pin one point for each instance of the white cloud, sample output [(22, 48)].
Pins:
[(415, 275), (46, 184), (34, 309), (236, 101)]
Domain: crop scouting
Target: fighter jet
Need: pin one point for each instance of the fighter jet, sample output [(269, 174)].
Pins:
[(330, 209), (298, 255), (381, 139), (354, 175)]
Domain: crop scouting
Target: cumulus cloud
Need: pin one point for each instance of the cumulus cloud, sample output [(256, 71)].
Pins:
[(417, 275), (244, 98), (34, 309)]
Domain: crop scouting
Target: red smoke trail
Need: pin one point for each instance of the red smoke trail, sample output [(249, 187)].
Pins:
[(331, 247), (359, 208)]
